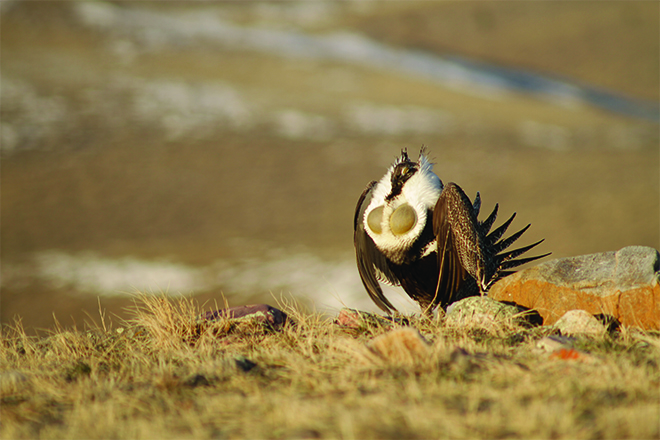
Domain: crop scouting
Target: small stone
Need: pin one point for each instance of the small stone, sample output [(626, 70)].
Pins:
[(260, 313), (579, 322), (561, 348), (554, 342), (404, 346), (623, 285), (571, 354)]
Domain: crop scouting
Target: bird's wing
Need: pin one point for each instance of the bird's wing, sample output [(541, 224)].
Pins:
[(467, 247), (459, 250), (371, 263)]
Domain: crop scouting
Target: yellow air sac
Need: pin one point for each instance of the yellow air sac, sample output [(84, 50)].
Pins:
[(374, 218), (403, 219)]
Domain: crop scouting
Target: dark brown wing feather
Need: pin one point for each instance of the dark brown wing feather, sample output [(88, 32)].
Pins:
[(459, 251), (369, 258)]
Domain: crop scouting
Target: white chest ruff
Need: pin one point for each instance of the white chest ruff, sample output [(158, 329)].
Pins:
[(400, 223)]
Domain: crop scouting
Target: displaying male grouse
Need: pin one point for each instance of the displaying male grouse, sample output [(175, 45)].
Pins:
[(412, 231)]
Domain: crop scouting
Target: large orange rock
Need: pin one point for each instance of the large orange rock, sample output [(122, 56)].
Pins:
[(623, 284)]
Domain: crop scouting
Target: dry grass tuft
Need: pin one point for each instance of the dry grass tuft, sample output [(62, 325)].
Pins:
[(168, 324), (164, 374)]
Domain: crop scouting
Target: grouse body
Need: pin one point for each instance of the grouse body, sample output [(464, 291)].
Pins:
[(411, 230)]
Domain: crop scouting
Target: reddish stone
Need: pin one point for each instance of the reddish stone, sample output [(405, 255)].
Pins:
[(571, 354), (348, 318), (621, 284)]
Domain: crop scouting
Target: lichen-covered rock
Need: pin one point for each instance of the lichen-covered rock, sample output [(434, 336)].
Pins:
[(624, 285), (485, 312), (579, 322)]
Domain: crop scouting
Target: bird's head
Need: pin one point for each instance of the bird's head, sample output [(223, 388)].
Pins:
[(403, 170)]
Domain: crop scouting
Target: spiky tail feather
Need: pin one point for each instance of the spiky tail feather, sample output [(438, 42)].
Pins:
[(500, 262)]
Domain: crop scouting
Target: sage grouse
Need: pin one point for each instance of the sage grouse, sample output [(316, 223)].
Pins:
[(411, 230)]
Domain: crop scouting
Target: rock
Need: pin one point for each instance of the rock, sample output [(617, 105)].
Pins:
[(554, 342), (623, 285), (561, 348), (259, 313), (477, 311), (571, 354), (579, 322), (402, 346)]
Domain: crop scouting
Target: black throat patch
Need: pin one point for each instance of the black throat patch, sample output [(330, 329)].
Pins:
[(400, 175)]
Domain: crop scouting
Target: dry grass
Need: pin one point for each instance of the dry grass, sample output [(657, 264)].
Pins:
[(164, 375)]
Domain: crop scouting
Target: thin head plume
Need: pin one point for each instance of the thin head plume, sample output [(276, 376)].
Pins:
[(403, 157), (425, 163), (424, 156)]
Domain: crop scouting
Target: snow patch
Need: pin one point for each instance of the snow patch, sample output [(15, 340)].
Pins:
[(328, 285)]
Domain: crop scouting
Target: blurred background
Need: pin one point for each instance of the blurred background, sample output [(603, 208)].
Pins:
[(218, 149)]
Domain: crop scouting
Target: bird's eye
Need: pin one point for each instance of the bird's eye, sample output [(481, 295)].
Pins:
[(374, 219)]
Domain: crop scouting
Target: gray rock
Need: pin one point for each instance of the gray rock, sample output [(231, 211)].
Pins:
[(629, 268), (625, 285), (579, 322), (554, 342)]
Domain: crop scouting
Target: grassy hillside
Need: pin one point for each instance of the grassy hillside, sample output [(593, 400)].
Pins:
[(162, 375)]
